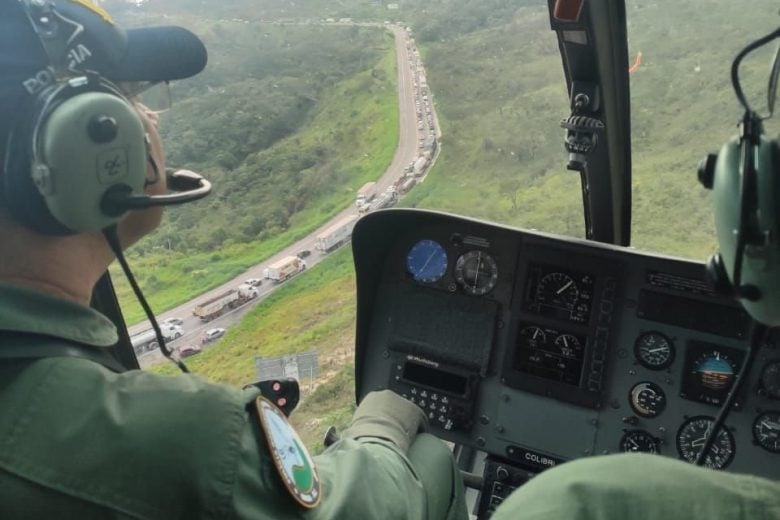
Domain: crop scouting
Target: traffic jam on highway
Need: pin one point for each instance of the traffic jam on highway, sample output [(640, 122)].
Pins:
[(188, 337)]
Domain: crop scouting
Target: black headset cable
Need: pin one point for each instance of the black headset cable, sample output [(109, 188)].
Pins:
[(758, 335), (112, 237)]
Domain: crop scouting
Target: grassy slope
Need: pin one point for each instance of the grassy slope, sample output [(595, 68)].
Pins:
[(361, 122), (314, 311)]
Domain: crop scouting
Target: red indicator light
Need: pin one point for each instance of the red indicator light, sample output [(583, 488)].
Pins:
[(277, 386), (568, 10), (281, 402)]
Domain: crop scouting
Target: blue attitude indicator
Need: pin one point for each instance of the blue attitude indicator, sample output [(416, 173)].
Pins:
[(426, 261)]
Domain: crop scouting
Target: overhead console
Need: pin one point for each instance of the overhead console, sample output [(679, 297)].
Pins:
[(539, 349)]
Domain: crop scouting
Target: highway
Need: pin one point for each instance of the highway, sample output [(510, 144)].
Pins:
[(413, 128)]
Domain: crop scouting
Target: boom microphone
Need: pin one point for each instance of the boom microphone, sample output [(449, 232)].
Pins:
[(185, 186)]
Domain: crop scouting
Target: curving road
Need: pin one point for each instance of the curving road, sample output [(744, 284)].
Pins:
[(412, 128)]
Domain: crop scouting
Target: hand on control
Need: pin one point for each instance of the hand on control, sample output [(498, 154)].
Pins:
[(386, 415)]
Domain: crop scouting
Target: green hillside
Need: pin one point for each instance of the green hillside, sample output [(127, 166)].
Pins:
[(500, 94), (292, 140)]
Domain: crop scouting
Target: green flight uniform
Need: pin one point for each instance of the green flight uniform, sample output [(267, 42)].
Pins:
[(78, 440), (641, 487)]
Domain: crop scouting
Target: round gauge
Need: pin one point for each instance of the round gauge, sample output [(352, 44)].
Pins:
[(653, 350), (715, 370), (477, 272), (647, 399), (639, 441), (534, 336), (426, 261), (693, 434), (567, 344), (558, 290), (770, 379), (766, 431)]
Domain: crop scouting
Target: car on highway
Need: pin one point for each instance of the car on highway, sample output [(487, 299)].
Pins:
[(171, 331), (189, 350), (303, 253), (212, 334), (254, 282), (169, 322)]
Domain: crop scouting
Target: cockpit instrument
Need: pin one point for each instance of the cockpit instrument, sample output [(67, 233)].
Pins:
[(477, 272), (653, 350), (766, 431), (647, 399), (692, 435), (639, 441), (709, 372), (427, 261), (559, 293), (770, 379), (550, 354)]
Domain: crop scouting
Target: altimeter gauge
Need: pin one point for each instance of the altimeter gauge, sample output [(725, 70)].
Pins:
[(693, 434)]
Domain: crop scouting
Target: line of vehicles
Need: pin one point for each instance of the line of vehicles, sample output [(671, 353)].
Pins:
[(368, 198), (214, 307), (338, 234)]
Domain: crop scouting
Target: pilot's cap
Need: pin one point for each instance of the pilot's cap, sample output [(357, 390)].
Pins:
[(92, 42)]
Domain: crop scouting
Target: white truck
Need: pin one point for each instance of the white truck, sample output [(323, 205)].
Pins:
[(209, 309), (285, 268), (385, 200), (147, 340), (336, 234), (419, 166), (365, 194)]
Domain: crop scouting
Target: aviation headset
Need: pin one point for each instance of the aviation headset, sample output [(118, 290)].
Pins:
[(76, 159), (746, 201)]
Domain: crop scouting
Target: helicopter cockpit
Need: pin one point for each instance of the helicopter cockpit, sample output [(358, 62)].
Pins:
[(537, 350), (526, 349)]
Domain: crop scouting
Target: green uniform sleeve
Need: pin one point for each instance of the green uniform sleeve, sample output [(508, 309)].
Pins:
[(388, 416), (641, 487), (363, 479)]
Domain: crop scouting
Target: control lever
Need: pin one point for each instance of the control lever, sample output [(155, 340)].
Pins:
[(470, 480)]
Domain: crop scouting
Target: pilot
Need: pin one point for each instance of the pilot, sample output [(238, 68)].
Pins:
[(79, 439)]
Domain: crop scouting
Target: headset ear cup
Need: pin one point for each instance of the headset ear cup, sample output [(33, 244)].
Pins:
[(107, 135), (20, 195), (74, 143)]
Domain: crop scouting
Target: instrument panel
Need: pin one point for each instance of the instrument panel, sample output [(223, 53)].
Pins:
[(539, 349)]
